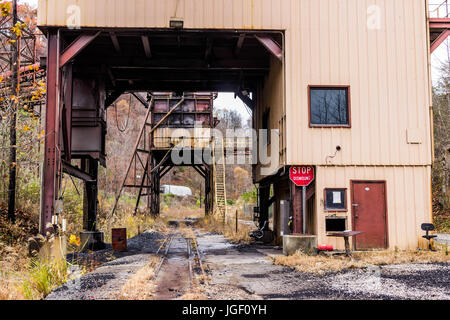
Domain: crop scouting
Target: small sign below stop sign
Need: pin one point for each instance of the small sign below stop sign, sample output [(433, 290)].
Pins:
[(302, 176)]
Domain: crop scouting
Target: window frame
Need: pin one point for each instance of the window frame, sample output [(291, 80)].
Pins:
[(326, 209), (349, 105)]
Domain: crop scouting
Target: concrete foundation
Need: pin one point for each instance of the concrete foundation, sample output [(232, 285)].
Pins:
[(299, 242), (92, 240)]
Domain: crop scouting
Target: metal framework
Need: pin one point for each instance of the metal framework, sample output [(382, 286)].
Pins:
[(30, 69), (151, 158), (439, 23), (87, 70)]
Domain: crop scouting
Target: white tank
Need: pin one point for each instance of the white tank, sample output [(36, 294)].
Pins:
[(176, 190)]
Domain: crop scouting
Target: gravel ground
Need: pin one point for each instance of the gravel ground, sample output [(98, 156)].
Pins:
[(443, 238), (106, 281), (247, 273)]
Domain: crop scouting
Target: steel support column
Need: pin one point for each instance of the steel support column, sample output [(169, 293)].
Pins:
[(297, 208), (49, 181), (90, 166), (155, 188), (67, 86), (209, 190), (264, 194)]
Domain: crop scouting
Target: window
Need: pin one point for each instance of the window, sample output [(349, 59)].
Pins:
[(335, 199), (335, 224), (329, 106)]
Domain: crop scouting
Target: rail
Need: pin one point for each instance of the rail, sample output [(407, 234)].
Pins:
[(196, 269), (439, 10), (236, 144)]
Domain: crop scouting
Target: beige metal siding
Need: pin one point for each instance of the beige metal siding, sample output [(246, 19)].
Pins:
[(271, 98), (387, 72), (217, 14), (327, 43), (408, 193)]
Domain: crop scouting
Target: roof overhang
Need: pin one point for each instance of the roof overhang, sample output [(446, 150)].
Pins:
[(171, 59)]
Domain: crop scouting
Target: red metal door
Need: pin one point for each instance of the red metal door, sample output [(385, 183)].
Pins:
[(369, 214)]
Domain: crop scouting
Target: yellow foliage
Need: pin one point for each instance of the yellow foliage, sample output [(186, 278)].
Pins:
[(74, 240), (5, 8), (18, 28)]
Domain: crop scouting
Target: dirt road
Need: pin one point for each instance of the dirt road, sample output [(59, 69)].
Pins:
[(246, 272)]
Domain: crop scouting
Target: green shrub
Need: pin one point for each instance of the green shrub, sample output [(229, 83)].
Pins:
[(250, 196), (168, 199), (43, 276)]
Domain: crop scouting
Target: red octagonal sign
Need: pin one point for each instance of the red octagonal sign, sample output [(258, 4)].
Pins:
[(302, 176)]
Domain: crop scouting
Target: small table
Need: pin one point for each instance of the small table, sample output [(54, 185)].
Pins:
[(345, 235)]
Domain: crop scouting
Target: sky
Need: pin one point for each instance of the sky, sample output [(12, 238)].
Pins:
[(31, 2), (227, 100)]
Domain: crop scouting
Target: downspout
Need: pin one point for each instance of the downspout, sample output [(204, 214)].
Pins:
[(430, 99)]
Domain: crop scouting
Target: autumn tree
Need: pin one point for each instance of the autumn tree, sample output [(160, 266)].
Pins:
[(20, 91), (441, 166)]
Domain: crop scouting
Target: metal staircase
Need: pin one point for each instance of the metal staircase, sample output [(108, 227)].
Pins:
[(141, 164), (140, 155), (219, 179)]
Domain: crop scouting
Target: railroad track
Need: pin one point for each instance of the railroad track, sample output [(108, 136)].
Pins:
[(164, 246), (195, 261), (195, 267)]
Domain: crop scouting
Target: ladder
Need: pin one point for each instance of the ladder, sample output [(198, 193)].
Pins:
[(219, 179)]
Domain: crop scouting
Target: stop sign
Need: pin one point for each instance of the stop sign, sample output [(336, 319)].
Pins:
[(302, 176)]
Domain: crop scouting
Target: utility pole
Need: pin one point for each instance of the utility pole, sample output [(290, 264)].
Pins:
[(13, 119)]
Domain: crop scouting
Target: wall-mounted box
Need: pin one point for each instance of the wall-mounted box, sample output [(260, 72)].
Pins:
[(414, 136)]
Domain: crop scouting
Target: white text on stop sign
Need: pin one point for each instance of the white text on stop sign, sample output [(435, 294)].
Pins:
[(302, 170)]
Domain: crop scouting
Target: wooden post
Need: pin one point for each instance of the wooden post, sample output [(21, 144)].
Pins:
[(348, 252), (237, 220)]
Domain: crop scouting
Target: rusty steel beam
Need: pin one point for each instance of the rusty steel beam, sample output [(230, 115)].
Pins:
[(442, 37), (271, 46), (245, 99), (141, 99), (77, 172), (110, 75), (90, 195), (76, 47), (115, 42), (49, 183), (208, 49), (439, 23), (240, 42), (146, 44), (199, 171), (67, 113), (164, 171)]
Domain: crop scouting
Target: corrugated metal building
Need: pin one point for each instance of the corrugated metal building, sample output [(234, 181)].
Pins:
[(376, 53)]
